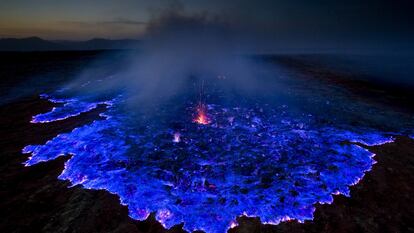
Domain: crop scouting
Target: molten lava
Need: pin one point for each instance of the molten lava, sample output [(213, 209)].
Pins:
[(201, 117)]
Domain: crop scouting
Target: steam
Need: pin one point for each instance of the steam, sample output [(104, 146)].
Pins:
[(179, 49)]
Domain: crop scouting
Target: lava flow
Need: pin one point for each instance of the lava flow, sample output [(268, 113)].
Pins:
[(218, 172), (201, 117)]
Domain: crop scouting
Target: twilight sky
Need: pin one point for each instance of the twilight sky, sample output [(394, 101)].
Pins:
[(285, 21)]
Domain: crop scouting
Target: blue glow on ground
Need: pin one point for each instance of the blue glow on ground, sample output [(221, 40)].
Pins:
[(68, 108), (251, 160)]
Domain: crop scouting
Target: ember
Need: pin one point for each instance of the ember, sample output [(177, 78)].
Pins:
[(202, 117)]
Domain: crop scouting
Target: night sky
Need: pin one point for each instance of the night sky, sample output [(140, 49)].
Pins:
[(287, 22)]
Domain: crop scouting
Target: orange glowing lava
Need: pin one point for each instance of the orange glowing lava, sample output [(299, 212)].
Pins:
[(202, 117)]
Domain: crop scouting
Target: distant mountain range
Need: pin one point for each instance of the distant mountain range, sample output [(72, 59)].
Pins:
[(38, 44)]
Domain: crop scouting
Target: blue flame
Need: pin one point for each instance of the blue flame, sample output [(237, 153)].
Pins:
[(252, 161)]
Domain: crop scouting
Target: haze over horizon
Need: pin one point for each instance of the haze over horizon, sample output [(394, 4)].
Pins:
[(272, 24)]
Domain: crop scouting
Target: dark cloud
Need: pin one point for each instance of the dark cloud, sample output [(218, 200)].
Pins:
[(115, 22), (123, 21)]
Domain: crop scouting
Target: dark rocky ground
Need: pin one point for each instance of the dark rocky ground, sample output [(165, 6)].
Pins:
[(32, 199)]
